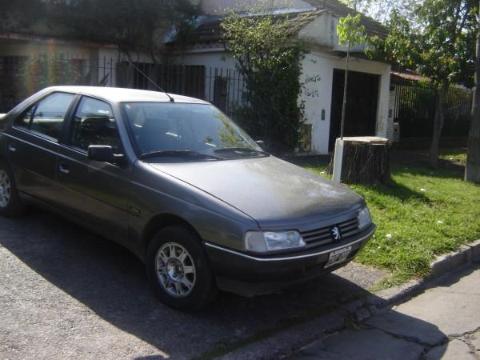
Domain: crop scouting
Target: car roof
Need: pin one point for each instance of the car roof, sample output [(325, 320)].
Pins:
[(117, 95)]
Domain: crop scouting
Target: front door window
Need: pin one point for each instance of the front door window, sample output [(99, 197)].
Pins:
[(94, 124)]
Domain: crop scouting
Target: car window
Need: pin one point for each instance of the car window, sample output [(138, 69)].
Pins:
[(186, 127), (25, 119), (94, 124), (49, 115)]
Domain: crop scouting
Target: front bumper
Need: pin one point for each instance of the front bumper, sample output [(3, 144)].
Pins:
[(250, 275)]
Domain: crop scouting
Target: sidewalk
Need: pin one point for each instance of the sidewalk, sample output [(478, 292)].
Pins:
[(441, 323)]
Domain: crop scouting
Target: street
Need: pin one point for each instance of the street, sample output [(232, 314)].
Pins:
[(441, 323), (66, 293)]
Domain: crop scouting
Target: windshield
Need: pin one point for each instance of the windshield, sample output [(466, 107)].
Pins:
[(187, 131)]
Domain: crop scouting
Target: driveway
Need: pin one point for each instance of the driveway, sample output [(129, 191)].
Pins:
[(66, 293)]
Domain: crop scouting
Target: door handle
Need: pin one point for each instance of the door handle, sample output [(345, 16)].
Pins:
[(12, 148), (63, 169)]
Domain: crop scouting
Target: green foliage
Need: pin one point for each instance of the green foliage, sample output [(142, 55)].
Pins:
[(400, 47), (350, 31), (381, 10), (268, 57), (437, 41), (447, 41)]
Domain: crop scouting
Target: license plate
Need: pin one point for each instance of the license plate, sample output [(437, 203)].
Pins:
[(338, 256)]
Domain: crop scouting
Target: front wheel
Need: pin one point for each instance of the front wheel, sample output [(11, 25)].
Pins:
[(10, 203), (178, 269)]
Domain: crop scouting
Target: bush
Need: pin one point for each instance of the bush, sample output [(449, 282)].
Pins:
[(268, 57)]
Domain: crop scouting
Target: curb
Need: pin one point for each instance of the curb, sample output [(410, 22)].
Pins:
[(285, 342), (442, 265)]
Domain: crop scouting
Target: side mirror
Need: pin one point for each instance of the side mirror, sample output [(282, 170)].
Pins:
[(104, 153)]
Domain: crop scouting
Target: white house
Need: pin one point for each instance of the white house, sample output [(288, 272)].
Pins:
[(208, 71), (369, 110)]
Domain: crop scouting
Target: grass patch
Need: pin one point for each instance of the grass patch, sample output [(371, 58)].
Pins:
[(458, 156), (421, 214)]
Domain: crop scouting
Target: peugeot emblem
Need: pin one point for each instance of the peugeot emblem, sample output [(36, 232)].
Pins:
[(335, 231)]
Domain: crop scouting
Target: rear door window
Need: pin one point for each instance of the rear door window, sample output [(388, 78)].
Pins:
[(47, 116)]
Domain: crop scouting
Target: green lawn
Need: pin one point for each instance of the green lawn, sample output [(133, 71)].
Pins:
[(421, 214)]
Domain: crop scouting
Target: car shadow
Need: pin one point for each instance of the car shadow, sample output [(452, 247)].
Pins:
[(111, 282)]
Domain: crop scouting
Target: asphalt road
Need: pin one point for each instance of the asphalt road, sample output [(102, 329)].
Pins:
[(66, 293)]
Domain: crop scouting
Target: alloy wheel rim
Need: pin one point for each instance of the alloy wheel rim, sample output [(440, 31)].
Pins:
[(175, 269), (5, 189)]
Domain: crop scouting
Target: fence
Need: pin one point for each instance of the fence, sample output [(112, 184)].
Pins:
[(220, 86), (23, 76), (415, 110)]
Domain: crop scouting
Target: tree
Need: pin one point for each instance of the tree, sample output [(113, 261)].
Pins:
[(351, 33), (437, 43), (472, 170), (132, 25), (268, 58), (20, 14), (381, 10)]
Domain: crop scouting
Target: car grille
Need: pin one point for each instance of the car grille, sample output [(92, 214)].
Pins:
[(323, 236)]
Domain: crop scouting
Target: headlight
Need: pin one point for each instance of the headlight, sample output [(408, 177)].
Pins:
[(270, 241), (364, 218)]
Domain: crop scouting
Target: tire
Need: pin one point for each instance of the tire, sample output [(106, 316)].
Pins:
[(178, 269), (10, 203)]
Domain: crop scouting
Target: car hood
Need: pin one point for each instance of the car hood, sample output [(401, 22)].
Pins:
[(271, 191)]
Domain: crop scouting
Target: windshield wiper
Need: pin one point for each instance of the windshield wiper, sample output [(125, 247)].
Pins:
[(242, 150), (177, 153)]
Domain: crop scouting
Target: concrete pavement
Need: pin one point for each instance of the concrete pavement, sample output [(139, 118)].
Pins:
[(441, 323)]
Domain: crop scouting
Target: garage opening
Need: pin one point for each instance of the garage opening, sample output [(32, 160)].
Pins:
[(361, 114)]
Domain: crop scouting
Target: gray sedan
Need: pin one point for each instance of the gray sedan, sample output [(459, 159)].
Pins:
[(179, 184)]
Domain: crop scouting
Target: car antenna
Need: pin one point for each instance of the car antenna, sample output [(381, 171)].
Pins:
[(151, 81)]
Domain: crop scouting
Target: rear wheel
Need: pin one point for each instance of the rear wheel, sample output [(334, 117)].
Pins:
[(178, 269), (10, 203)]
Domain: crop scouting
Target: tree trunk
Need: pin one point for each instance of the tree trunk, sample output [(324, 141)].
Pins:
[(362, 160), (472, 170), (438, 121)]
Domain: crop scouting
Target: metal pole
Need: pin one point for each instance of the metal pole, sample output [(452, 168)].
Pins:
[(345, 85)]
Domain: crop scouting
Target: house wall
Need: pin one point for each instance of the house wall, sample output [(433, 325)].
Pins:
[(323, 32), (221, 7), (37, 48), (317, 78), (99, 61)]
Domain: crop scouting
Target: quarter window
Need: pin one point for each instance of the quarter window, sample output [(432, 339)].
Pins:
[(94, 124), (25, 119), (47, 116)]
